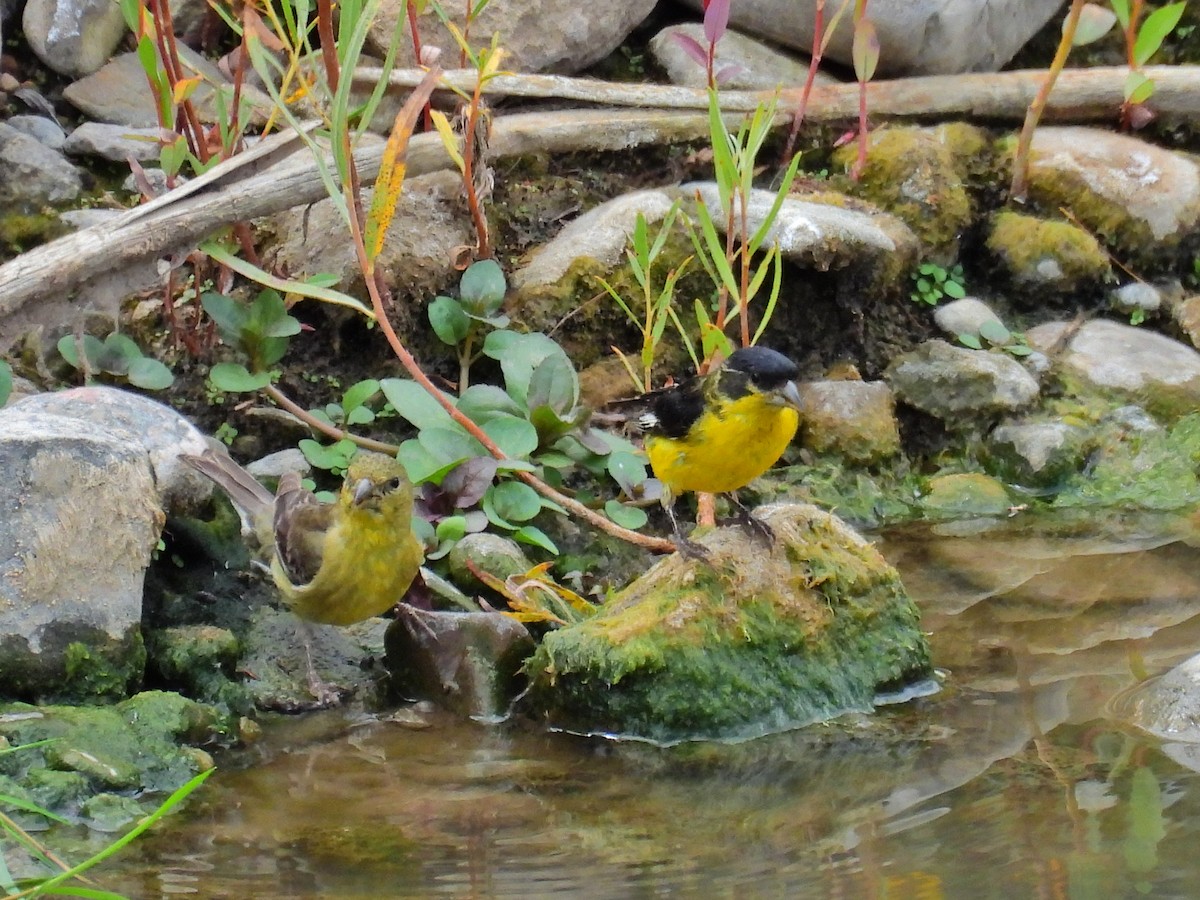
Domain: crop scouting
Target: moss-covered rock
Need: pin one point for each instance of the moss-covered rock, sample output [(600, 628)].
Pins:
[(1046, 253), (919, 175), (1142, 201), (853, 419), (138, 746), (965, 494), (748, 642)]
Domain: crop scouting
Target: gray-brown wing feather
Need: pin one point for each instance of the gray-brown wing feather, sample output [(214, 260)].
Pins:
[(301, 521)]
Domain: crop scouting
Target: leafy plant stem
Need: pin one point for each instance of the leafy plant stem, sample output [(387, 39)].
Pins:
[(283, 401), (1020, 180)]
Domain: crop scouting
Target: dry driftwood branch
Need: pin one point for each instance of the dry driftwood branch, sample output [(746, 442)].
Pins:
[(281, 173), (1079, 94)]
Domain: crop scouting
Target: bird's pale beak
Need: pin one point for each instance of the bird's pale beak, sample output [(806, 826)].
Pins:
[(789, 395), (362, 490)]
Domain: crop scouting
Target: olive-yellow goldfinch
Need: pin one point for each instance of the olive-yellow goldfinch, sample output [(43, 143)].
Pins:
[(336, 563), (716, 433)]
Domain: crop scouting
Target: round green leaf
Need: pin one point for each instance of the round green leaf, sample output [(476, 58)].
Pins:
[(233, 378), (449, 322), (516, 437), (450, 444), (531, 534), (481, 402), (451, 528), (626, 516), (150, 374), (360, 415), (511, 501), (994, 332), (482, 287), (627, 469)]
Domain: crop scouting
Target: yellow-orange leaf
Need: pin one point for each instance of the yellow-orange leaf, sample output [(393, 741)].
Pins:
[(184, 88), (390, 181)]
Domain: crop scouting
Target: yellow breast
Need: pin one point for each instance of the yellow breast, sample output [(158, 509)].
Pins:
[(365, 570), (724, 450)]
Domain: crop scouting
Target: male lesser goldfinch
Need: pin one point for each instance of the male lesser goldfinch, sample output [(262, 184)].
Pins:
[(716, 433), (336, 563)]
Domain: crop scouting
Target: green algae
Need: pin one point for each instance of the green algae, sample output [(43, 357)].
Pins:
[(131, 748)]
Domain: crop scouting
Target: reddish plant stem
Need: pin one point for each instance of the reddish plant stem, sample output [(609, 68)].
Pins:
[(813, 65)]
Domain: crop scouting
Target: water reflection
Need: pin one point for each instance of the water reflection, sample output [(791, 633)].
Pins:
[(1020, 778)]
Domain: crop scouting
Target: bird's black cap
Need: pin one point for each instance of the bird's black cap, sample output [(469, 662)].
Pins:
[(765, 367)]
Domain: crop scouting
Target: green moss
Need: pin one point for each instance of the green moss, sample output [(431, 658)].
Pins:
[(19, 231), (92, 674), (200, 660), (726, 650), (1041, 252), (1148, 470)]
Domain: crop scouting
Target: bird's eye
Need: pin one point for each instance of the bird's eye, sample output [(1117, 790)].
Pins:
[(394, 483)]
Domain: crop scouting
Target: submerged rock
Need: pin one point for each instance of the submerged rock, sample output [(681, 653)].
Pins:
[(148, 743), (748, 643)]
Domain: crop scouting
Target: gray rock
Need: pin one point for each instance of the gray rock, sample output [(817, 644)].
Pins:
[(117, 92), (684, 654), (751, 64), (1147, 368), (965, 316), (115, 142), (916, 36), (1136, 192), (145, 425), (818, 235), (855, 419), (276, 465), (468, 662), (157, 178), (74, 37), (1137, 295), (1038, 454), (86, 218), (953, 383), (537, 35), (80, 520), (602, 234), (32, 173), (429, 221), (41, 129)]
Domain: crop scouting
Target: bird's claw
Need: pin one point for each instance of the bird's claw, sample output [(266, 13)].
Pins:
[(689, 549), (752, 523)]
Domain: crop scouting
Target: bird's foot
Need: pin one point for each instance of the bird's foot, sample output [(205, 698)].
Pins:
[(689, 549), (752, 523), (326, 694)]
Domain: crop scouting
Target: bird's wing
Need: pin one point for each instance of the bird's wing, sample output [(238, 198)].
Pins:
[(301, 522), (668, 411), (674, 410)]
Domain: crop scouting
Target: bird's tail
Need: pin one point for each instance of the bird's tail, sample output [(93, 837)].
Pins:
[(253, 501)]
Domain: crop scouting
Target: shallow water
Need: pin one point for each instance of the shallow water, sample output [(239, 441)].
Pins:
[(1022, 777)]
